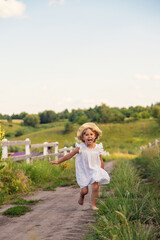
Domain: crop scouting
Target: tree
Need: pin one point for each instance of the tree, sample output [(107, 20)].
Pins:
[(82, 119), (47, 116), (64, 114), (32, 120), (68, 127), (75, 115), (22, 115), (158, 118), (156, 113), (106, 114)]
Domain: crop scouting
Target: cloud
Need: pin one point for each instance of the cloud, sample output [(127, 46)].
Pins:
[(55, 2), (156, 77), (11, 8), (44, 88), (143, 77)]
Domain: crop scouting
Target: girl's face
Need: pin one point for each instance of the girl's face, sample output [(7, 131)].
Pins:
[(89, 137)]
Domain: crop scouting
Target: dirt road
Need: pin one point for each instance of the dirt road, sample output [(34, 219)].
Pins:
[(58, 216)]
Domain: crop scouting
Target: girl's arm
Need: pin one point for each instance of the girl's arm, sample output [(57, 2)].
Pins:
[(66, 157), (102, 163)]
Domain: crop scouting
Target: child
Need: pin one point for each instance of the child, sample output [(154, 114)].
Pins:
[(89, 163)]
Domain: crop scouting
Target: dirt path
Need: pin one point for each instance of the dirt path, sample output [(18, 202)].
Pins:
[(56, 217)]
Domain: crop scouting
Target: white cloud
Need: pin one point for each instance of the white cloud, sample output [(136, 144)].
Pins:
[(156, 77), (44, 88), (11, 8), (142, 77), (54, 2)]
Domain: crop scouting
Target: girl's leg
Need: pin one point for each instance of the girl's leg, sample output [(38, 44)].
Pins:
[(83, 192), (94, 197)]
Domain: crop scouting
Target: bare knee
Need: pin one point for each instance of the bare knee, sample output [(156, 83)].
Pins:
[(95, 187), (84, 190)]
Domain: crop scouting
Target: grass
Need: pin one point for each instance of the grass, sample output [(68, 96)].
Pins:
[(132, 211), (16, 211), (41, 172), (150, 162), (18, 178), (21, 201), (125, 137), (128, 137)]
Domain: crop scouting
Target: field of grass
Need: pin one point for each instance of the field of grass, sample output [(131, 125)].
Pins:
[(125, 137), (132, 211), (21, 178)]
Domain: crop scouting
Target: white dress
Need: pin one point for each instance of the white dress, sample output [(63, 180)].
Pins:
[(88, 166)]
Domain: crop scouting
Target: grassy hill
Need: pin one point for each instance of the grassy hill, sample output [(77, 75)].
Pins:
[(124, 137)]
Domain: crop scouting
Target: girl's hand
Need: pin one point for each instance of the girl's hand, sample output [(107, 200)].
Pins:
[(54, 162)]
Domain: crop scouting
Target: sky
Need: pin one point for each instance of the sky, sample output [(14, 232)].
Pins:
[(70, 54)]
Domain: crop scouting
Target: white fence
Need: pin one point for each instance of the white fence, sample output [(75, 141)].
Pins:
[(155, 144), (28, 154)]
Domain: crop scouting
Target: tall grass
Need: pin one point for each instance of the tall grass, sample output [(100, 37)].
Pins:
[(150, 159), (132, 211), (41, 172), (18, 178)]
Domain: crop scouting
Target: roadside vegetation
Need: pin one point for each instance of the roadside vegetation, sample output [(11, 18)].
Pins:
[(130, 207), (20, 178), (117, 137)]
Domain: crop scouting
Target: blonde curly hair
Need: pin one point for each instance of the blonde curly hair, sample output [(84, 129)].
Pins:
[(91, 126)]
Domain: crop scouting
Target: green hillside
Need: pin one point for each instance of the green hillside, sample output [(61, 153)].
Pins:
[(116, 137)]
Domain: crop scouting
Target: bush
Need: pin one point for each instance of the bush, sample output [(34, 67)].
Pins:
[(32, 120), (19, 132), (47, 116), (13, 180), (68, 127)]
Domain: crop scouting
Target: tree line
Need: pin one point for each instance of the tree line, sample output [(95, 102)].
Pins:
[(99, 114)]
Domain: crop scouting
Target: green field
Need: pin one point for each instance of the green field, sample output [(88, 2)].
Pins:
[(132, 206), (125, 137)]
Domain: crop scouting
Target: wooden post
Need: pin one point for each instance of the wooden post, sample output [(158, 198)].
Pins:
[(4, 149), (71, 149), (149, 145), (27, 149), (65, 151), (56, 150), (45, 149), (156, 143)]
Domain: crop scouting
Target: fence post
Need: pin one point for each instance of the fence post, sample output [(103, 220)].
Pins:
[(27, 149), (56, 150), (4, 149), (71, 149), (156, 143), (149, 145), (45, 149), (65, 151)]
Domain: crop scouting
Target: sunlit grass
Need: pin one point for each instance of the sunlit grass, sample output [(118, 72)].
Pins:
[(131, 211), (120, 155), (37, 174), (125, 137)]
